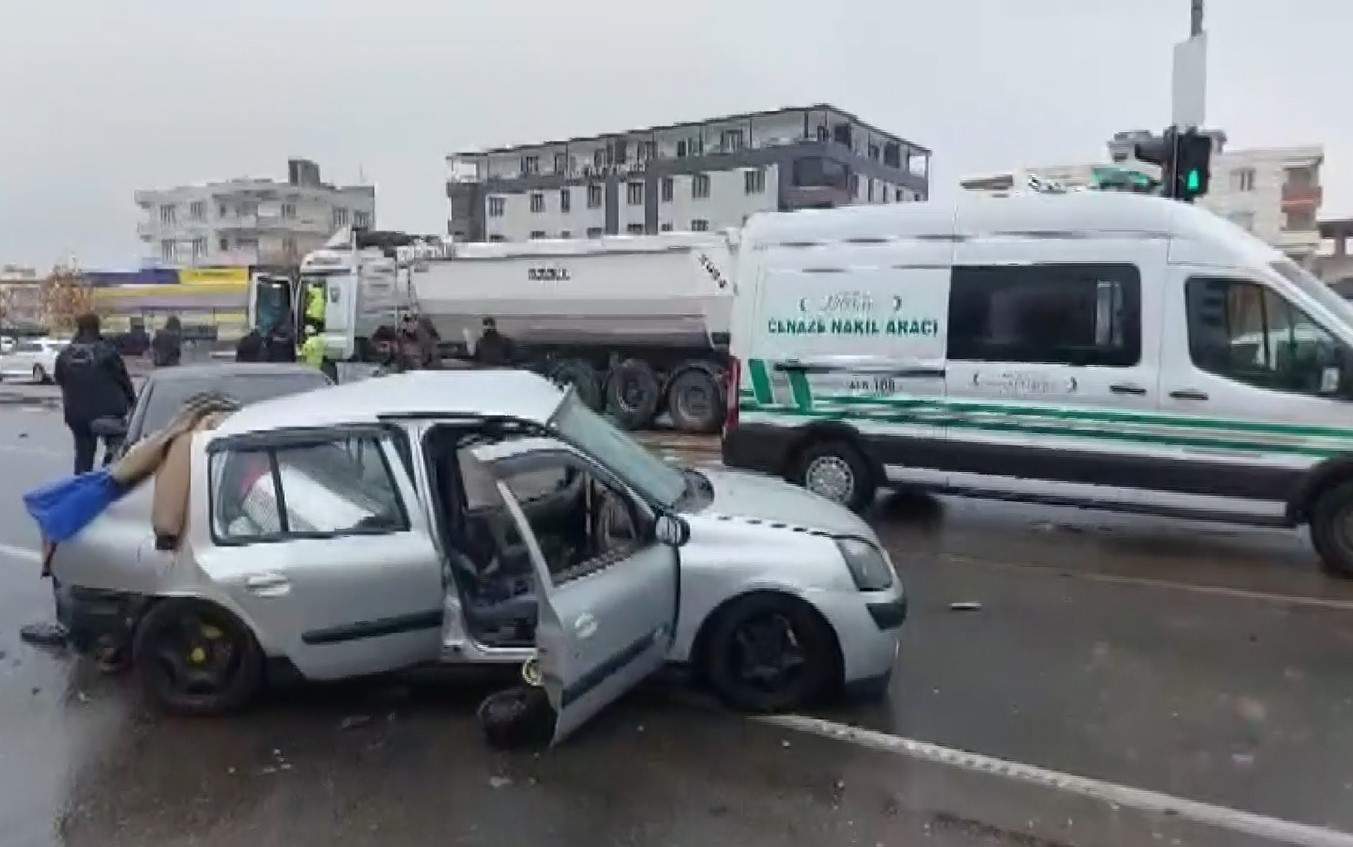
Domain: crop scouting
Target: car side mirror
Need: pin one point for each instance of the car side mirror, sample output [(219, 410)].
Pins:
[(672, 530)]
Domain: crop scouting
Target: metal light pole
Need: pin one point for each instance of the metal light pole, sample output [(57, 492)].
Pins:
[(1196, 18)]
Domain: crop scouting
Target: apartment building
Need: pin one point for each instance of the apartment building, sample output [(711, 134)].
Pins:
[(1273, 192), (249, 221), (696, 176), (1334, 260)]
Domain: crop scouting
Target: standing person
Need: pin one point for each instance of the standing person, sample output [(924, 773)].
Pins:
[(279, 345), (94, 384), (312, 351), (494, 348), (167, 346), (250, 347)]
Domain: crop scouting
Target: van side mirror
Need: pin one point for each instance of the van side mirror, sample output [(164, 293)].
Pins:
[(672, 530)]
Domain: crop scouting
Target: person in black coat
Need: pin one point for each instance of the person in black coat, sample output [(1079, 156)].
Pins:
[(250, 347), (167, 346), (279, 345), (94, 384), (493, 349)]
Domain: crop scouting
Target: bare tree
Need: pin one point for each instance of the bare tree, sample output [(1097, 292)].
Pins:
[(64, 296)]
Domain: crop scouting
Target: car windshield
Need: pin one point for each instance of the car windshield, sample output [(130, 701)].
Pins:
[(167, 397), (617, 452)]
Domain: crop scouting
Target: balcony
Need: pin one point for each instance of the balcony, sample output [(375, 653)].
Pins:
[(1297, 197), (237, 222)]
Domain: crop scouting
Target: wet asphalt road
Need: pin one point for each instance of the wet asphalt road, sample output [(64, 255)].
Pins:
[(1207, 662)]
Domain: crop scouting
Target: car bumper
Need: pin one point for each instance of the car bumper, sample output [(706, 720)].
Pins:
[(98, 619), (868, 627)]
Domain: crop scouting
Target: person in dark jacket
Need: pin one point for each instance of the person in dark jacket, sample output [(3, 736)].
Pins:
[(279, 345), (167, 347), (494, 348), (250, 347), (94, 384)]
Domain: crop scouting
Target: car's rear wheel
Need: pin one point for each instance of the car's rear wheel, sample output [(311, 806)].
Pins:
[(770, 653), (517, 718), (195, 658)]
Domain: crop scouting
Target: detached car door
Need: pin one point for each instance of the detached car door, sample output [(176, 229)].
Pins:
[(607, 588), (317, 538)]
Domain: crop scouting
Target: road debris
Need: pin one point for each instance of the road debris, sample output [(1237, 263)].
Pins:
[(965, 606)]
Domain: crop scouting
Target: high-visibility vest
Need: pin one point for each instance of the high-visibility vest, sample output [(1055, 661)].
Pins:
[(312, 351), (314, 303)]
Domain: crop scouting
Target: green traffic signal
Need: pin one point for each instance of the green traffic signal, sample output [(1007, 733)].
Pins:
[(1193, 181)]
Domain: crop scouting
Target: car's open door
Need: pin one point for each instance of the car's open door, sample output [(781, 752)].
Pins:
[(607, 617)]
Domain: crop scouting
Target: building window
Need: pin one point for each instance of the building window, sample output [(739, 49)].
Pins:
[(635, 229), (565, 200), (537, 234), (700, 186), (221, 210), (1300, 177), (1242, 179), (634, 193), (1065, 314), (819, 172), (497, 206), (598, 158), (754, 181), (223, 244), (168, 215), (561, 163), (699, 225), (496, 237), (874, 152), (869, 189), (1248, 333), (594, 196), (288, 211), (854, 185), (530, 164), (167, 252), (566, 234), (666, 227), (537, 202), (361, 220), (199, 249), (681, 149), (899, 196), (340, 218), (197, 210), (1299, 220), (730, 140), (668, 188), (594, 232)]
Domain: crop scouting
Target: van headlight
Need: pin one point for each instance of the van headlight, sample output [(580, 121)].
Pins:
[(868, 566)]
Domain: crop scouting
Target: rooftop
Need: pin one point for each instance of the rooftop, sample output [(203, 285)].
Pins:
[(817, 107), (454, 393)]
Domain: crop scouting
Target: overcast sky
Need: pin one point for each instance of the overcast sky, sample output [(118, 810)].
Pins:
[(101, 97)]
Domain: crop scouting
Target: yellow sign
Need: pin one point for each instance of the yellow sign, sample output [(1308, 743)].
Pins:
[(214, 276)]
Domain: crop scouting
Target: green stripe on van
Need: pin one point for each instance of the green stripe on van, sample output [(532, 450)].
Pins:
[(803, 394), (756, 369)]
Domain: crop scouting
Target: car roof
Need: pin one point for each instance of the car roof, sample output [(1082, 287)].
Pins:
[(216, 370), (450, 393)]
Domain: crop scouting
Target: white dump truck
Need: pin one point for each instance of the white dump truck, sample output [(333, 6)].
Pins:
[(639, 324)]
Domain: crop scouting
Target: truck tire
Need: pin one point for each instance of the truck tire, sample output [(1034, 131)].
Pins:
[(695, 400), (584, 379), (633, 394), (1332, 530)]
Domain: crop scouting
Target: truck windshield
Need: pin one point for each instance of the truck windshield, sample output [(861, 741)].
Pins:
[(272, 302), (653, 478)]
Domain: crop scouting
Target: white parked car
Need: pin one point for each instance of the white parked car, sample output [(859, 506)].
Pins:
[(32, 358), (471, 517)]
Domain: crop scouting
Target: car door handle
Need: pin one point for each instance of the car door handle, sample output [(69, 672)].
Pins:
[(1188, 394), (268, 584), (1127, 388)]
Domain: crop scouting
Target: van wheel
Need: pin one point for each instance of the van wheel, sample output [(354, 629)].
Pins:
[(585, 380), (195, 658), (632, 394), (695, 401), (837, 471), (1332, 530)]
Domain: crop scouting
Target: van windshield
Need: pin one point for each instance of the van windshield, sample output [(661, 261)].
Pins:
[(1318, 291)]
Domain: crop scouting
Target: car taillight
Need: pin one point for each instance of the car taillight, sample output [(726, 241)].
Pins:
[(734, 374)]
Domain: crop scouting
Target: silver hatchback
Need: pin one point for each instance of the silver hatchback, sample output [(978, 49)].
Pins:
[(479, 516)]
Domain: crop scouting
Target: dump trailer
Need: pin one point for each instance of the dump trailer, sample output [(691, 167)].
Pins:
[(638, 324)]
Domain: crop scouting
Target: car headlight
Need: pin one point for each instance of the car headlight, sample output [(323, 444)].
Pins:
[(868, 566)]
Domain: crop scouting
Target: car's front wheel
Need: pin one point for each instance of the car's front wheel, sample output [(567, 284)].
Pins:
[(195, 658), (770, 653)]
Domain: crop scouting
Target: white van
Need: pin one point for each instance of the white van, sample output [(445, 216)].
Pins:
[(1101, 350)]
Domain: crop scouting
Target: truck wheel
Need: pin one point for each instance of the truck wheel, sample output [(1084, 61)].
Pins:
[(633, 393), (695, 401), (584, 379), (1332, 530), (837, 471)]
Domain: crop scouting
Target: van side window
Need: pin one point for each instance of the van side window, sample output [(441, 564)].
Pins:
[(1066, 314), (1247, 332)]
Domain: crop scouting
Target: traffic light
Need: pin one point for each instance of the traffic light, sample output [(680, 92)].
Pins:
[(1193, 162), (1185, 159)]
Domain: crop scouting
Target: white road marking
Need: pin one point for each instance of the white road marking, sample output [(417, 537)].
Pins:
[(1221, 817), (1334, 603), (24, 553)]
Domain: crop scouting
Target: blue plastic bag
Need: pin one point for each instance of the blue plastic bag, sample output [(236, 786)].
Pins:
[(66, 506)]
